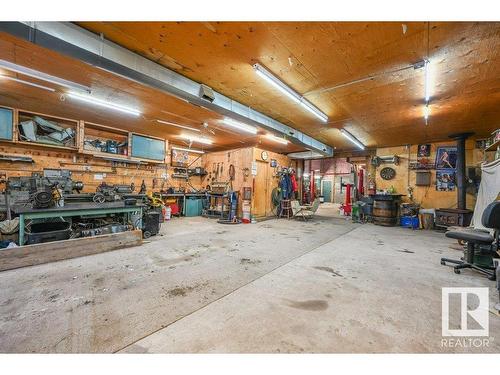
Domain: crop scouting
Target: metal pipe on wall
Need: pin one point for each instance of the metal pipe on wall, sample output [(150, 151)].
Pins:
[(460, 169)]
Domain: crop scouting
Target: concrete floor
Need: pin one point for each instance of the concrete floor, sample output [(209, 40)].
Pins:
[(277, 286)]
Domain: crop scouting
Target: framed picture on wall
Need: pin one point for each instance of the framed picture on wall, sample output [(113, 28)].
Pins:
[(180, 158), (445, 180), (446, 157), (424, 151)]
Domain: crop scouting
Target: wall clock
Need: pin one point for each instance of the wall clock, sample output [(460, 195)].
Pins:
[(388, 173), (264, 155)]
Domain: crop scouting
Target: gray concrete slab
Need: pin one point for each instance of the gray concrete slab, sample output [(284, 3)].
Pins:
[(373, 289), (105, 302), (277, 286)]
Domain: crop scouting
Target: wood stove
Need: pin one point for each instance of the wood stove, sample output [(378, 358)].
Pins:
[(460, 216), (448, 217)]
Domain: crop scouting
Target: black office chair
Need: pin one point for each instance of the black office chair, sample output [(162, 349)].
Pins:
[(478, 241)]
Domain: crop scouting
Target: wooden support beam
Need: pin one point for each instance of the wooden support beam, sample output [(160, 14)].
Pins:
[(31, 255)]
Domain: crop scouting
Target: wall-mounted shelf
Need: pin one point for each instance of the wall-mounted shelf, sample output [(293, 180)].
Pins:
[(105, 155), (417, 166), (493, 146), (95, 138), (26, 134), (43, 145), (16, 158), (42, 129)]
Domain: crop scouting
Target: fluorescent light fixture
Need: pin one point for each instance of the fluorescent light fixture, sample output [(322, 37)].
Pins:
[(315, 111), (188, 150), (177, 125), (104, 103), (352, 138), (261, 72), (27, 83), (288, 91), (427, 112), (239, 125), (276, 139), (427, 82), (193, 138), (42, 76)]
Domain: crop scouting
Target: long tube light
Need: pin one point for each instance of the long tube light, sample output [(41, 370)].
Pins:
[(427, 112), (188, 150), (289, 92), (276, 139), (427, 83), (193, 138), (104, 103), (42, 76), (352, 138), (27, 83), (427, 90), (239, 125), (178, 125)]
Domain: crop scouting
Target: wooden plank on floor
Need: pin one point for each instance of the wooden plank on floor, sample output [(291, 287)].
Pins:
[(31, 255)]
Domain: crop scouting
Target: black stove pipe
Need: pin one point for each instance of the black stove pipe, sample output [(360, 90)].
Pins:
[(460, 169)]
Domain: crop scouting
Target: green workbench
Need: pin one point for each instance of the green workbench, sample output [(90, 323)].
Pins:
[(75, 209)]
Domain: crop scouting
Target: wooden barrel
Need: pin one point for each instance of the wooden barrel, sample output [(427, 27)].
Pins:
[(385, 212)]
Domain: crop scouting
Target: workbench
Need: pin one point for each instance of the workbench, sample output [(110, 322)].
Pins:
[(76, 209), (181, 196)]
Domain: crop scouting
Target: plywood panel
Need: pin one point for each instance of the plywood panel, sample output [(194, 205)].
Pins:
[(427, 196), (311, 56), (31, 255), (261, 193), (153, 104), (222, 160), (272, 178), (88, 169), (262, 184)]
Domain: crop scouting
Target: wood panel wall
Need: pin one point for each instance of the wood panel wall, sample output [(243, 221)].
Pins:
[(427, 196), (89, 169), (242, 160), (272, 179)]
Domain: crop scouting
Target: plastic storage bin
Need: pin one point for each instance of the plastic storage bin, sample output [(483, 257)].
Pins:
[(409, 222)]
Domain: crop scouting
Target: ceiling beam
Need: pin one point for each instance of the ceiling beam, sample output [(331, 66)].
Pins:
[(76, 42)]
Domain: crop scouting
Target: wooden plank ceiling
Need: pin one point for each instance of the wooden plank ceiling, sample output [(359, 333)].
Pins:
[(153, 104), (384, 111)]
